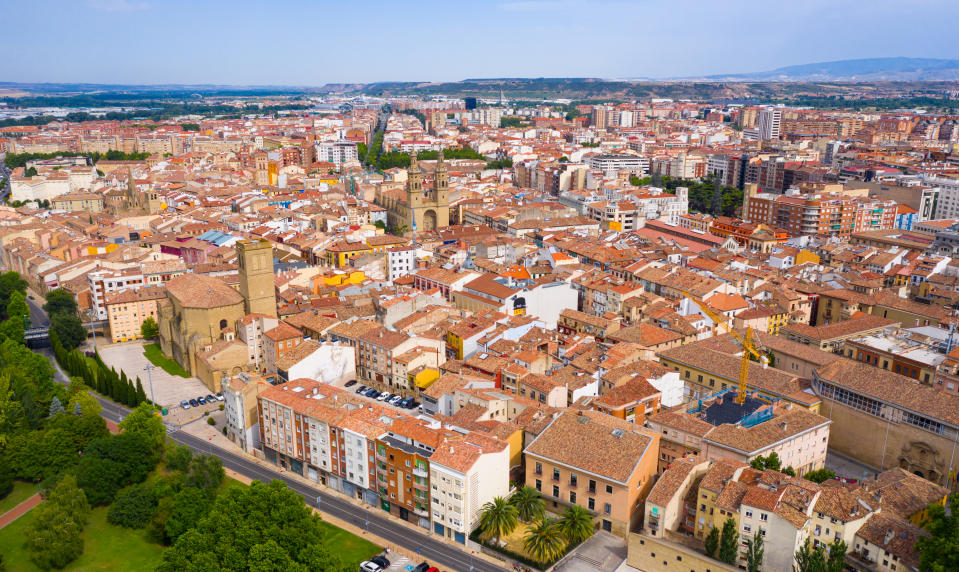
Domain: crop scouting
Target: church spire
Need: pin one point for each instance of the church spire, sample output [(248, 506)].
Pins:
[(414, 167)]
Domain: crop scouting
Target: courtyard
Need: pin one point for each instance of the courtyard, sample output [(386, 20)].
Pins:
[(169, 390)]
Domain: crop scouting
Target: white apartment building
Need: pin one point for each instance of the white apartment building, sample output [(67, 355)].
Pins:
[(770, 119), (611, 164), (487, 116), (104, 281), (400, 261), (336, 152), (948, 205), (464, 475), (50, 183)]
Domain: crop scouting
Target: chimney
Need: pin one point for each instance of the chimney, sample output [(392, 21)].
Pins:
[(782, 425), (889, 535)]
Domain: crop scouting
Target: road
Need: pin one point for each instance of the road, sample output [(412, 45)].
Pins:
[(38, 318), (435, 551)]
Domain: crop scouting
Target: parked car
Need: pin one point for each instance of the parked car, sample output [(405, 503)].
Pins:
[(362, 389), (381, 561), (373, 393), (219, 396), (423, 567), (210, 399), (201, 400), (395, 399), (350, 383), (369, 566), (194, 403), (384, 396), (185, 404), (406, 403)]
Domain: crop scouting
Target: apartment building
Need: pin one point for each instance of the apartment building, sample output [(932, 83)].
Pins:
[(87, 202), (278, 342), (103, 282), (127, 309), (818, 213), (593, 460), (336, 152)]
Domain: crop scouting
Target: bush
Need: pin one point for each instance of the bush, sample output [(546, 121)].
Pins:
[(211, 421), (133, 507), (55, 537)]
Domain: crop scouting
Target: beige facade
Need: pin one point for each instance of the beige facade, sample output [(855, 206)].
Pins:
[(127, 310), (417, 210), (88, 202)]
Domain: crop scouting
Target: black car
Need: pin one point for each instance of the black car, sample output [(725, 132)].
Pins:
[(381, 561), (350, 383), (194, 403), (362, 389), (423, 567)]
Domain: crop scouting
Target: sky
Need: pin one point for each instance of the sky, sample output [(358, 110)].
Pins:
[(314, 42)]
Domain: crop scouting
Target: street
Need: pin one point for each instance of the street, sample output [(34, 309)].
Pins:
[(437, 552), (38, 318)]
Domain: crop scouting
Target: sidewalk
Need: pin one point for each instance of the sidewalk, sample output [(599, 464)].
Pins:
[(19, 510)]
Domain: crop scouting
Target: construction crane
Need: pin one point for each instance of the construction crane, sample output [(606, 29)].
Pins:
[(746, 340)]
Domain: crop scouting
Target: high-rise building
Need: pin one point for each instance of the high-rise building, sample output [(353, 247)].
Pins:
[(470, 102), (598, 118), (770, 120), (255, 258)]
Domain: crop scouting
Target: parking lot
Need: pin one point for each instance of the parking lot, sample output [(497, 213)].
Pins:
[(390, 402), (169, 390)]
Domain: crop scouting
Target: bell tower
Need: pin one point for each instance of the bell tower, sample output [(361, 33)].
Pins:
[(255, 258), (414, 183), (441, 182)]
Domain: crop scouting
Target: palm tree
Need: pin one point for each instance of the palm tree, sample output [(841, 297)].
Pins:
[(576, 524), (529, 503), (544, 541), (497, 518)]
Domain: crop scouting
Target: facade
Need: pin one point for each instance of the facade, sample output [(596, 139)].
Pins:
[(240, 410), (128, 309), (336, 152), (818, 214), (87, 202), (256, 276), (400, 261), (419, 209), (596, 461)]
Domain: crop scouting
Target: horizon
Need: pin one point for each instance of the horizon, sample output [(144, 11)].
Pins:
[(296, 44)]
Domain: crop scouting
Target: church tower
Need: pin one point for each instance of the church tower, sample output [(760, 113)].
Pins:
[(414, 183), (255, 258), (441, 183)]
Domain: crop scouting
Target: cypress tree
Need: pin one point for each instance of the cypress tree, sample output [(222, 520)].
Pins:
[(141, 395), (131, 397)]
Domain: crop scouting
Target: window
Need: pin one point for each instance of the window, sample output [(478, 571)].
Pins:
[(572, 497), (555, 491), (539, 468), (763, 516), (555, 474), (591, 503), (749, 514), (592, 486), (607, 508), (609, 489), (573, 480), (539, 485)]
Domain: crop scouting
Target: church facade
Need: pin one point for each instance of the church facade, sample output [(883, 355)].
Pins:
[(419, 209)]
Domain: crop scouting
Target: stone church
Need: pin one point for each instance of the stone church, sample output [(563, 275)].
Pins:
[(200, 312), (418, 209)]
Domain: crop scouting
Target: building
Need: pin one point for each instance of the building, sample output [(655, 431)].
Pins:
[(418, 209), (400, 261), (240, 410), (770, 120), (887, 420), (818, 213), (87, 202), (593, 460), (255, 259), (128, 309), (104, 282), (336, 152), (612, 164)]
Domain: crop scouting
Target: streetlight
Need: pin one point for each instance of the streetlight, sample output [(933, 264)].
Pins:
[(149, 367), (92, 327)]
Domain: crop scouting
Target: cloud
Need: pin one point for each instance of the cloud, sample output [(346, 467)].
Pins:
[(118, 5)]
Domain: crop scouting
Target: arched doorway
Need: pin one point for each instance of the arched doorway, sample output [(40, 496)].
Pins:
[(429, 220)]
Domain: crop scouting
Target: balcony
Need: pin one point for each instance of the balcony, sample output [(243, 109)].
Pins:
[(418, 472)]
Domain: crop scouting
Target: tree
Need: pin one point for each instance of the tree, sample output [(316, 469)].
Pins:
[(31, 172), (712, 542), (110, 464), (528, 502), (939, 552), (178, 457), (10, 282), (244, 517), (380, 225), (206, 472), (149, 328), (144, 421), (69, 330), (55, 406), (810, 558), (141, 395), (86, 403), (78, 409), (498, 518), (54, 537), (754, 551), (576, 524), (17, 308), (60, 301), (134, 506), (729, 542), (836, 560), (189, 506), (544, 541), (769, 462), (819, 475)]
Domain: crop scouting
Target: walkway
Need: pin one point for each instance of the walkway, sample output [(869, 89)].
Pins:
[(19, 510)]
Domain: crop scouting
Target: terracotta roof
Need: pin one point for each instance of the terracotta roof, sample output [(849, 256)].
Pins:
[(201, 291)]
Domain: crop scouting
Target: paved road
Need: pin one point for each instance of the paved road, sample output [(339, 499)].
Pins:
[(435, 551), (38, 318)]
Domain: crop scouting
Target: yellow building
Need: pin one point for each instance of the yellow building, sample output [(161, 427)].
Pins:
[(89, 202), (418, 209)]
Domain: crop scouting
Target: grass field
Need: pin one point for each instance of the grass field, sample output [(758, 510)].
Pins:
[(106, 547), (156, 357), (351, 548), (21, 492)]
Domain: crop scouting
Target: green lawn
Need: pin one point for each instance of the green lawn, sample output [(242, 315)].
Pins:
[(21, 492), (351, 548), (156, 357), (106, 547)]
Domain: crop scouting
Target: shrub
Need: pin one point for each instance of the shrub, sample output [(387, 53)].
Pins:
[(133, 507), (211, 421)]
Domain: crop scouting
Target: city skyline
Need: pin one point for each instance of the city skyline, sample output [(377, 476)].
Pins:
[(174, 42)]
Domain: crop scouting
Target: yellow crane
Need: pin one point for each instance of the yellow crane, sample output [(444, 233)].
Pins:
[(746, 340)]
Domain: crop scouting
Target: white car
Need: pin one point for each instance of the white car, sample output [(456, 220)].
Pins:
[(395, 399), (384, 396), (370, 566)]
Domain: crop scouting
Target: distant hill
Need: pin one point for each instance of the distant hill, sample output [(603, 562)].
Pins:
[(862, 70)]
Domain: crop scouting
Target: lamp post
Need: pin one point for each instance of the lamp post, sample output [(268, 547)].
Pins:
[(93, 329), (149, 367)]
